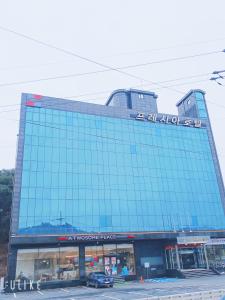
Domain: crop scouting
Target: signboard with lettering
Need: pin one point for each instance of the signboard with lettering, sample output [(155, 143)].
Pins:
[(87, 237), (192, 240), (216, 241), (168, 119)]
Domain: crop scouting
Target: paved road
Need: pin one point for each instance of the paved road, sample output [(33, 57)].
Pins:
[(131, 290)]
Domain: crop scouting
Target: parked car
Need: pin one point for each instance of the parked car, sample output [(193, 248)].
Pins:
[(99, 279)]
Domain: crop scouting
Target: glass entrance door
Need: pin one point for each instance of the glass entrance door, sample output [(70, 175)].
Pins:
[(185, 257), (171, 258)]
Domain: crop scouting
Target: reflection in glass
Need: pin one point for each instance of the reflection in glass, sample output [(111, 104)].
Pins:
[(94, 259), (110, 259), (25, 264), (125, 259), (69, 263), (216, 256), (48, 264), (78, 180), (113, 259)]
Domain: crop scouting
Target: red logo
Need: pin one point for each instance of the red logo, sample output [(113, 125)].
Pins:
[(131, 236), (38, 97), (62, 238), (30, 103)]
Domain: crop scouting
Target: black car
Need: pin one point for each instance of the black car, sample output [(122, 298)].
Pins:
[(99, 279)]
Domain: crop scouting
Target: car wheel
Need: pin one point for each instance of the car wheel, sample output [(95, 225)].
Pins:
[(111, 285), (96, 285)]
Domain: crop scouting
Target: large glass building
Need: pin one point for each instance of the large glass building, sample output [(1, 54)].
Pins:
[(118, 188)]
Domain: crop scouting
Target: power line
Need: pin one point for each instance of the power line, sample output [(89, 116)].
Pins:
[(33, 66), (166, 48), (108, 70), (80, 57), (109, 91), (5, 111), (175, 85), (52, 78), (116, 54), (171, 59), (87, 59), (69, 53)]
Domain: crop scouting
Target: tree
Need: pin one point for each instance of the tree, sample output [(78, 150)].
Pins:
[(6, 190)]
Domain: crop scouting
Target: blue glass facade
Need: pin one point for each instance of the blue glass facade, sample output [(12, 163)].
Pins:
[(202, 111), (86, 173), (112, 187)]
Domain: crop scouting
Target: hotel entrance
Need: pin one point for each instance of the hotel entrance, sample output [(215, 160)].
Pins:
[(184, 257)]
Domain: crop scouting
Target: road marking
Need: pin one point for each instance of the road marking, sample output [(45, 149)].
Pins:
[(66, 291), (39, 292), (72, 299), (14, 294), (111, 297), (142, 294)]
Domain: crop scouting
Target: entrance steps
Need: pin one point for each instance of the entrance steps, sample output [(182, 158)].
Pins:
[(118, 279), (196, 273)]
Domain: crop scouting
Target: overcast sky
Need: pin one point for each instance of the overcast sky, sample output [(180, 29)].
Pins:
[(116, 33)]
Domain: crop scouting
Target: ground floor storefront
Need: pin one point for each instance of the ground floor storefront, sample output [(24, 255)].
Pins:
[(70, 259), (196, 253), (66, 262)]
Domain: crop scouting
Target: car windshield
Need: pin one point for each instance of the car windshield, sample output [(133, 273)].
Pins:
[(99, 274)]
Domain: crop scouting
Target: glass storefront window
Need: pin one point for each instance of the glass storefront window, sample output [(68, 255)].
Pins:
[(125, 259), (113, 259), (25, 264), (94, 259), (110, 257), (69, 263), (48, 264), (216, 256)]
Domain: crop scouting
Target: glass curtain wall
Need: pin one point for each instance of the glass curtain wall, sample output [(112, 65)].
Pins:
[(100, 174), (113, 259), (216, 256), (48, 264)]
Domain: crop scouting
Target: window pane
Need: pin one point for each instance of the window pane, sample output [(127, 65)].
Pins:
[(110, 259), (25, 264), (94, 259), (47, 265), (125, 259), (69, 263)]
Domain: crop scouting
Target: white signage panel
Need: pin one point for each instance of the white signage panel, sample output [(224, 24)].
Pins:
[(192, 240), (216, 241)]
